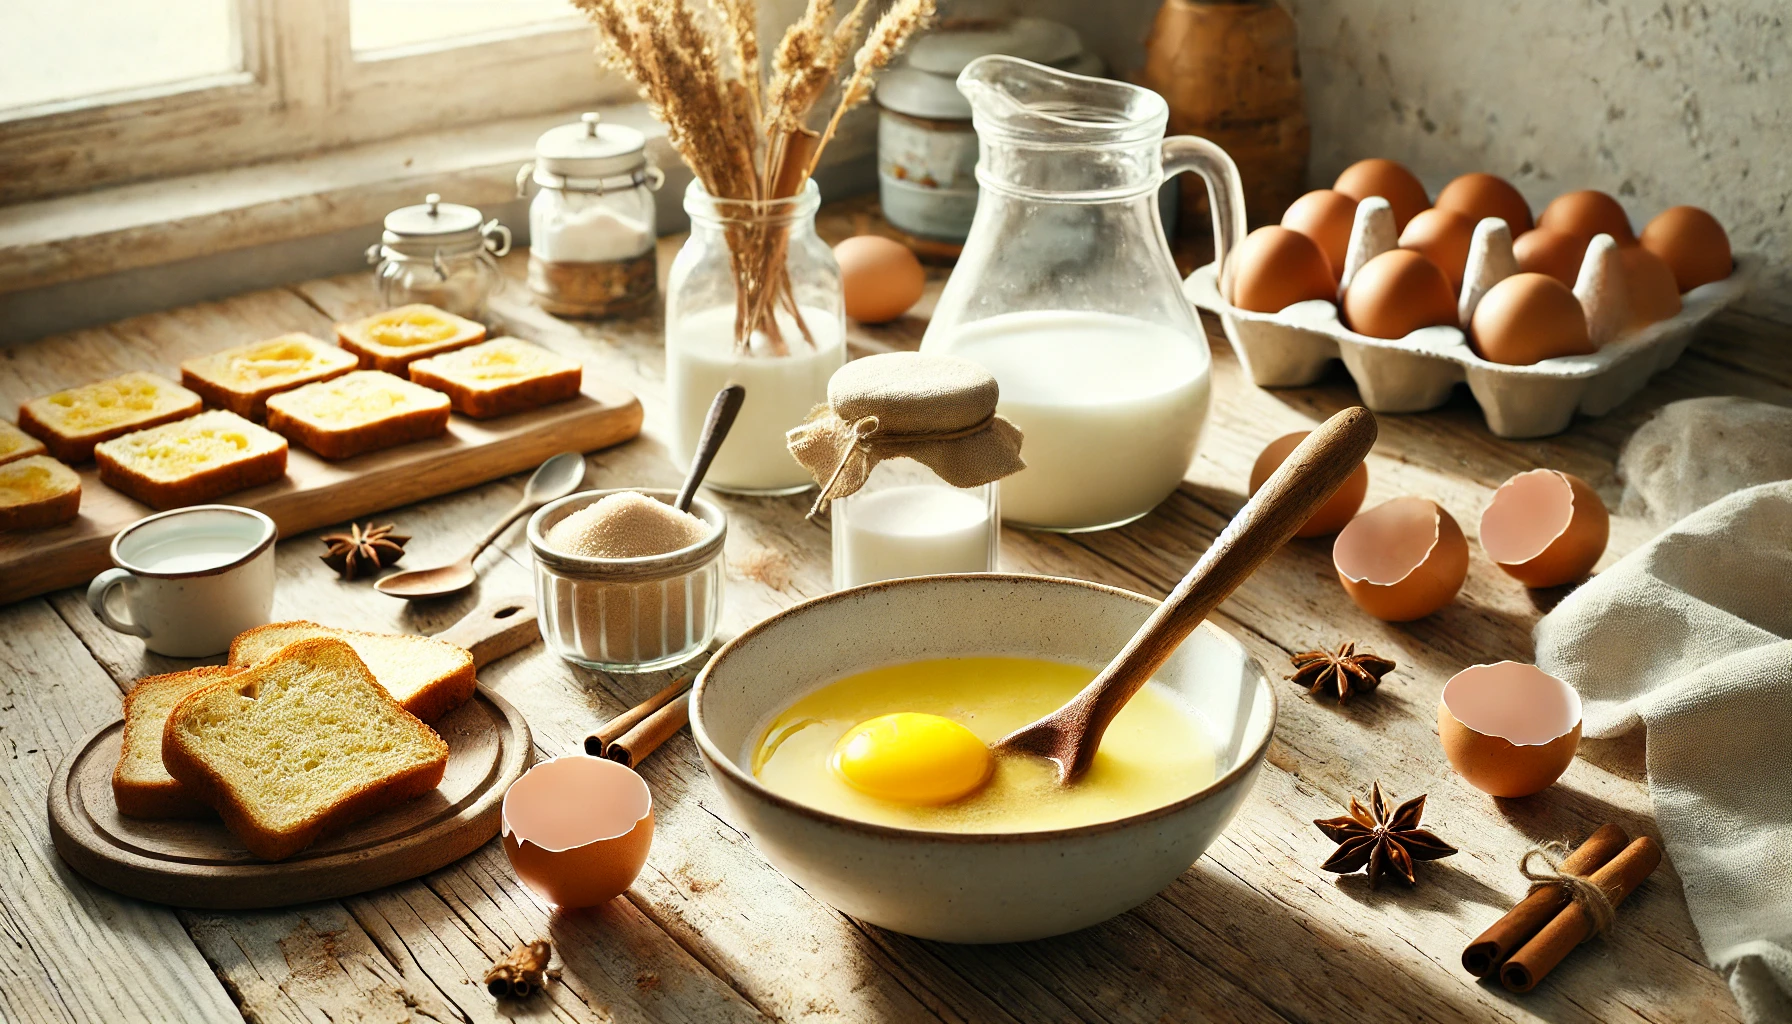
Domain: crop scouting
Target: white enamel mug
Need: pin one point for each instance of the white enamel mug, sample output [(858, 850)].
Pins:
[(188, 581)]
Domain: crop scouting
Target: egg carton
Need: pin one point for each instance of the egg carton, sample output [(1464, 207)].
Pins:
[(1291, 348)]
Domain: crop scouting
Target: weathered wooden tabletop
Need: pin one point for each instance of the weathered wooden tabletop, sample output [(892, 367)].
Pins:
[(710, 932)]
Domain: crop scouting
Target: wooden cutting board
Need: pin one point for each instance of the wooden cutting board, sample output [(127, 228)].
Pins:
[(199, 863), (316, 492)]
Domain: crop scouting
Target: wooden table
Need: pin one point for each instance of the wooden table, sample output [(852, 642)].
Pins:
[(710, 932)]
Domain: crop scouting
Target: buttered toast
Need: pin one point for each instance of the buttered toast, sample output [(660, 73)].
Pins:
[(16, 444), (428, 677), (141, 785), (71, 422), (499, 377), (358, 412), (241, 379), (192, 460), (301, 745), (392, 340), (37, 491)]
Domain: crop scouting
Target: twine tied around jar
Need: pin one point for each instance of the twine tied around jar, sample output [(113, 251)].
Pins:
[(938, 410), (1581, 889)]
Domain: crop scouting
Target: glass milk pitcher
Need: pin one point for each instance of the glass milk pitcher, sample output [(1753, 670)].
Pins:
[(1067, 292)]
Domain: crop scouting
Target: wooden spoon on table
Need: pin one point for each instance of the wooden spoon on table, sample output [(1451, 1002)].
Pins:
[(1070, 735)]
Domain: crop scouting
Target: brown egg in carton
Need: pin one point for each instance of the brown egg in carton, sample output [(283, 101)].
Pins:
[(1620, 351)]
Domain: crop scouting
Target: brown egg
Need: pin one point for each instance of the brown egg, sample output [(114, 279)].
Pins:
[(1587, 213), (1545, 528), (1389, 180), (1508, 729), (1542, 251), (1332, 516), (1481, 195), (1397, 293), (1528, 318), (1326, 217), (1654, 294), (1442, 237), (1692, 243), (1277, 268), (880, 279), (1402, 559)]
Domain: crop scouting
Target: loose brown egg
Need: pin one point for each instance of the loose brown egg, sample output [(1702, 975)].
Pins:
[(1528, 318), (1332, 516), (1542, 251), (880, 279), (1692, 243), (1326, 217), (1442, 236), (1397, 293), (1545, 528), (1389, 180), (1402, 559), (1508, 729), (1277, 268), (1481, 195), (1587, 213), (1654, 294)]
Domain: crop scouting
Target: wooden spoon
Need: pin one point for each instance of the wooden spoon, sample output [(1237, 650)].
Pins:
[(1070, 735)]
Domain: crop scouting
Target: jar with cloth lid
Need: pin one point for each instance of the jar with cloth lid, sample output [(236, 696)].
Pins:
[(908, 451), (442, 254), (591, 225)]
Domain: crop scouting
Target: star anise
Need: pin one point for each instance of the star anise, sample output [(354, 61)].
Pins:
[(1373, 837), (1342, 672), (363, 550)]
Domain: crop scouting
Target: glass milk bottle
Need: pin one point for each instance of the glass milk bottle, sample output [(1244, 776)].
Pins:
[(714, 338), (1067, 291), (906, 521)]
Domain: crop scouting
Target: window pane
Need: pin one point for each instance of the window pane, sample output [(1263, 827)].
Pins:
[(378, 24), (68, 49)]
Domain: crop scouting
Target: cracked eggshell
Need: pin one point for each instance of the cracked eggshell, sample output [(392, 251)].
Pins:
[(577, 829), (1545, 528), (1332, 516), (1402, 559), (1509, 729)]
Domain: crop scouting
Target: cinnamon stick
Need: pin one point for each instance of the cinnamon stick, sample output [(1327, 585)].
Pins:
[(597, 744), (1484, 955), (792, 171), (632, 747), (1571, 926)]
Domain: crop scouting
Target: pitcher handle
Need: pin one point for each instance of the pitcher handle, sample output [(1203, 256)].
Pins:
[(1225, 194)]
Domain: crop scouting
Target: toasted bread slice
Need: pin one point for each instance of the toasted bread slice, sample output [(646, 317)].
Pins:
[(359, 412), (429, 677), (141, 786), (16, 444), (241, 379), (192, 460), (392, 340), (37, 491), (71, 422), (499, 377), (305, 744)]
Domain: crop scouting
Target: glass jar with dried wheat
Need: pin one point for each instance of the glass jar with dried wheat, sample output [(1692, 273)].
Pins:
[(781, 342)]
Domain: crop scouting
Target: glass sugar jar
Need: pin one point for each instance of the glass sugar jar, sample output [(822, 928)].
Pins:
[(591, 224), (442, 254)]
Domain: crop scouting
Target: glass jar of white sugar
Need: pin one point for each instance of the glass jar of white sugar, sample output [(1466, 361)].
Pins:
[(591, 225)]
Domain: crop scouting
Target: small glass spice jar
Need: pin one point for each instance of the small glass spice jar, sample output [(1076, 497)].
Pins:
[(442, 254), (591, 225), (628, 614)]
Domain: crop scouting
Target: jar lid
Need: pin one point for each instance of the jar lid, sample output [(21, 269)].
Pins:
[(925, 83), (434, 220), (590, 149)]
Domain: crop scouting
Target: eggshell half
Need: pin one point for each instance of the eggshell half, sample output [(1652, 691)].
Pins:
[(1332, 516), (577, 829), (1509, 729), (1402, 559), (1545, 528)]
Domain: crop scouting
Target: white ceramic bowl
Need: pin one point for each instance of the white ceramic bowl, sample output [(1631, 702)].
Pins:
[(1000, 887)]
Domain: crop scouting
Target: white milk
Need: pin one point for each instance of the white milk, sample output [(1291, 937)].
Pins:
[(781, 390), (193, 552), (1111, 408), (911, 530)]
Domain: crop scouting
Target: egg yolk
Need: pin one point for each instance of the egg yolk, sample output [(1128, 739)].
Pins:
[(912, 758)]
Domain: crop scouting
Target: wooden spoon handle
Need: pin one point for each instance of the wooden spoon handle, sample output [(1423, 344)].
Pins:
[(499, 626)]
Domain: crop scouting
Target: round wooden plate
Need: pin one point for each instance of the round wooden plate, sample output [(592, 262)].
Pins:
[(199, 863)]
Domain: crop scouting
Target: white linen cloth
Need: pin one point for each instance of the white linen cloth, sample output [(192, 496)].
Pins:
[(1688, 636)]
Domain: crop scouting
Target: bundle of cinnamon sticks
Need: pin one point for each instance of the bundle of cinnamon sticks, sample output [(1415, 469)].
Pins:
[(1545, 926), (629, 737)]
